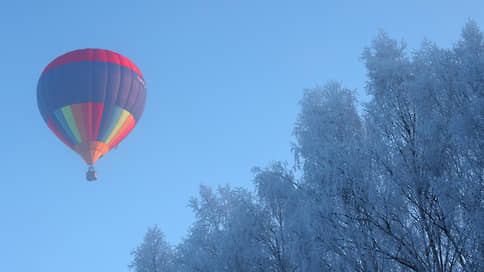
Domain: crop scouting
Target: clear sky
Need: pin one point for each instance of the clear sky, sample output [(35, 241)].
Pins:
[(223, 81)]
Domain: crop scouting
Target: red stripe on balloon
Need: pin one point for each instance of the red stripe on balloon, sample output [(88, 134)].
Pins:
[(87, 115), (92, 55), (94, 121), (79, 117), (58, 133)]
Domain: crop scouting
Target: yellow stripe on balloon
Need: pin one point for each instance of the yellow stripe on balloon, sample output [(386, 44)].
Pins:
[(121, 120), (67, 112)]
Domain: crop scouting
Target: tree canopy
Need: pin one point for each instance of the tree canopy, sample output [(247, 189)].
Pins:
[(399, 187)]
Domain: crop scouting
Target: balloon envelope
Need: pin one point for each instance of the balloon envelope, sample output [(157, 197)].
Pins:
[(91, 99)]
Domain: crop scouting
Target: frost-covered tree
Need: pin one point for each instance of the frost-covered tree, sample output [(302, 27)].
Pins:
[(154, 254), (277, 195), (330, 148), (399, 188), (226, 235), (326, 131), (425, 165)]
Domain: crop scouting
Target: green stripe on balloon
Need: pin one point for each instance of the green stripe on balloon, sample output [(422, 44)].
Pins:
[(67, 111)]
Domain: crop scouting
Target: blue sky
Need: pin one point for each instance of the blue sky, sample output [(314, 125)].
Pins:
[(223, 80)]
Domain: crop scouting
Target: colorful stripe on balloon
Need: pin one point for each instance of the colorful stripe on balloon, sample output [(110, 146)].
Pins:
[(79, 123)]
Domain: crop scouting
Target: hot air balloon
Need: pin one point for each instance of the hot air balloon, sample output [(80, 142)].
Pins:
[(91, 99)]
